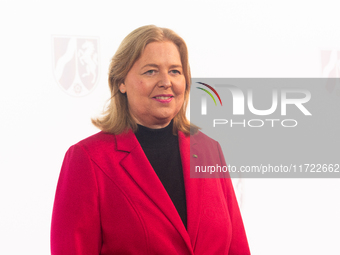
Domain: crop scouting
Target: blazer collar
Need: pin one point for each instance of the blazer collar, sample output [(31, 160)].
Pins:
[(139, 168), (126, 141)]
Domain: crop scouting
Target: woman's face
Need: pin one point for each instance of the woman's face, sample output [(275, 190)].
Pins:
[(155, 85)]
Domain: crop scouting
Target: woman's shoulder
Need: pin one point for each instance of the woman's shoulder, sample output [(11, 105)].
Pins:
[(202, 138), (95, 139), (104, 140), (95, 143)]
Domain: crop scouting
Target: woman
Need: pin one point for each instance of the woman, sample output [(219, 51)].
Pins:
[(127, 189)]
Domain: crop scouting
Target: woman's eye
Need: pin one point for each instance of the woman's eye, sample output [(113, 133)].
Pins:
[(175, 71), (149, 72)]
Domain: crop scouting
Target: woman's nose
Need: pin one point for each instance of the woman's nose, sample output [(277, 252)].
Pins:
[(164, 81)]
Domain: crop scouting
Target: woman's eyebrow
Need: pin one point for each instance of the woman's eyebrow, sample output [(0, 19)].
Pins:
[(176, 66), (150, 65), (156, 66)]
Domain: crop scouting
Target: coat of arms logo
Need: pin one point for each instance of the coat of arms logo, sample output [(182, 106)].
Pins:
[(75, 63), (330, 68)]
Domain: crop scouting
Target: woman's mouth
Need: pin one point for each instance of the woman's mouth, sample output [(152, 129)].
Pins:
[(163, 98)]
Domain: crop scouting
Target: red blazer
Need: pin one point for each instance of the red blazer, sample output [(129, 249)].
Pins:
[(109, 200)]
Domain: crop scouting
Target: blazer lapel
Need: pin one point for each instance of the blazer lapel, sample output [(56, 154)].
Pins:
[(139, 168), (194, 187)]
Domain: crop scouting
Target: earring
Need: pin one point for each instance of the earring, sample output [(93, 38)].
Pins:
[(122, 90)]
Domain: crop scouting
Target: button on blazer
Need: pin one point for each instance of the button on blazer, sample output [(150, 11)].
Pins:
[(109, 200)]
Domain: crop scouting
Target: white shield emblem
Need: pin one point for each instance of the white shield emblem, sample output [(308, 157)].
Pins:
[(330, 66), (75, 63)]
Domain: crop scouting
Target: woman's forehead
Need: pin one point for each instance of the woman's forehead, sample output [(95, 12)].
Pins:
[(157, 53)]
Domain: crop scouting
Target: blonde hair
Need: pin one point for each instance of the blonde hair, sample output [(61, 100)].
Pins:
[(116, 118)]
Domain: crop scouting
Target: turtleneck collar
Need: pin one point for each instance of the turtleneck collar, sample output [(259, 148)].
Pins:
[(152, 138)]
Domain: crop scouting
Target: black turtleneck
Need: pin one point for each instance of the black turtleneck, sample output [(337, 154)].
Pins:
[(162, 150)]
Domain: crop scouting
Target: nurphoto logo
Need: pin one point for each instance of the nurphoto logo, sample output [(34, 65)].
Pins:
[(269, 127), (242, 104)]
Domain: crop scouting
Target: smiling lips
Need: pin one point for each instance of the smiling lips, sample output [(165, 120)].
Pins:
[(163, 98)]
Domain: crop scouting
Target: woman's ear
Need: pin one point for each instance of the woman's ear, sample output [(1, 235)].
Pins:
[(122, 88)]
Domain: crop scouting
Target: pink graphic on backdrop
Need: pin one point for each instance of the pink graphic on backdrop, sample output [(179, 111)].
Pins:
[(75, 63), (330, 67)]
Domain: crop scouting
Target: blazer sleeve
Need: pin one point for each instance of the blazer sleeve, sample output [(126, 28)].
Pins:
[(239, 243), (75, 225)]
